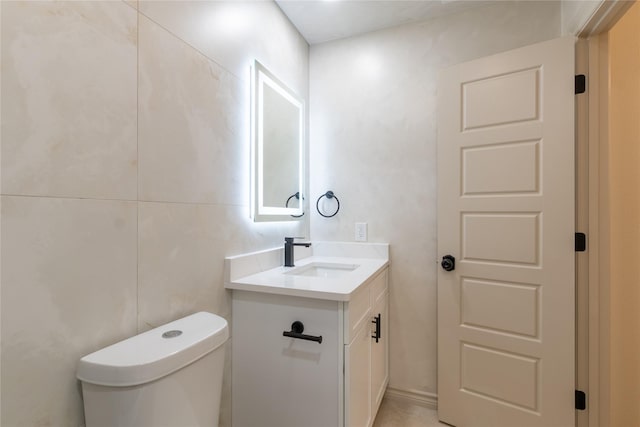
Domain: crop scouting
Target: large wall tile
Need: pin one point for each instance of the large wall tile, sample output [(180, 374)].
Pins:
[(373, 142), (181, 256), (181, 253), (132, 3), (69, 99), (193, 136), (234, 33), (68, 289), (70, 131)]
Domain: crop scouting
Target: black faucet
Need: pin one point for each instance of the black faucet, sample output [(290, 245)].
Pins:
[(288, 250)]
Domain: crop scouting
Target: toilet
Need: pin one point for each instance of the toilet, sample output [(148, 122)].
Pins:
[(170, 376)]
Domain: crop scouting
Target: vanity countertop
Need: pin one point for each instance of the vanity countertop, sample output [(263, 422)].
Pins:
[(280, 280)]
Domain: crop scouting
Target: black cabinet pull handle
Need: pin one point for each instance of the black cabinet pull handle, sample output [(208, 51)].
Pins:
[(376, 334), (297, 329)]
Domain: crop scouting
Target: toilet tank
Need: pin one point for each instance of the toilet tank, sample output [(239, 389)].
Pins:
[(169, 376)]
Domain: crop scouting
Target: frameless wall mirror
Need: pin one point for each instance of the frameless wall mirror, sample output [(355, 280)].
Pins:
[(277, 124)]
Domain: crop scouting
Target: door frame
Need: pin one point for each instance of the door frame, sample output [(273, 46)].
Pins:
[(592, 214), (592, 287)]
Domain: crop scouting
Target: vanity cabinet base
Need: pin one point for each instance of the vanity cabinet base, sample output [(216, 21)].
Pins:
[(283, 381)]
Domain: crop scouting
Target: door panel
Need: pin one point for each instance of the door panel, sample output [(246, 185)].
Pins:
[(501, 168), (514, 96), (514, 237), (506, 212), (505, 377), (518, 312)]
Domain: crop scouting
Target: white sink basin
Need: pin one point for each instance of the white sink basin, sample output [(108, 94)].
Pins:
[(323, 269)]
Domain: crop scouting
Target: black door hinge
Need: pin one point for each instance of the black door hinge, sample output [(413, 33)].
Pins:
[(581, 242), (581, 83), (581, 400)]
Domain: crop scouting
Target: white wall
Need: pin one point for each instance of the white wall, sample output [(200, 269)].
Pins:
[(373, 142), (125, 159), (576, 13)]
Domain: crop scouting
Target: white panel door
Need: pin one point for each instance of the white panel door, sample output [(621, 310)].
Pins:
[(506, 213)]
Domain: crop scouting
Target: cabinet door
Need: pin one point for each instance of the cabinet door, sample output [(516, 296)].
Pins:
[(357, 357), (280, 381), (379, 353)]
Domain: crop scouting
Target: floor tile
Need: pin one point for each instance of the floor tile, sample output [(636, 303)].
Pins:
[(398, 413)]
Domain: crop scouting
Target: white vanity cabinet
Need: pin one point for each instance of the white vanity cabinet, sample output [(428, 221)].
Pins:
[(279, 381)]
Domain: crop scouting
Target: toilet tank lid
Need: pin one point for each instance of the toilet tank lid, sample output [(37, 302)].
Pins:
[(155, 353)]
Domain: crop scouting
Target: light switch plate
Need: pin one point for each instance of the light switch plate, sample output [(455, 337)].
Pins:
[(361, 231)]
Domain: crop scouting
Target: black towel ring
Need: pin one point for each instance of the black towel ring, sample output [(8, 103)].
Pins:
[(329, 195), (297, 196)]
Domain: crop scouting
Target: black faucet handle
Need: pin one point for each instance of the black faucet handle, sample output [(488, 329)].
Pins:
[(290, 239)]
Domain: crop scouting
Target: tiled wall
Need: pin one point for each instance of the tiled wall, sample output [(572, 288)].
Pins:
[(125, 173), (373, 142)]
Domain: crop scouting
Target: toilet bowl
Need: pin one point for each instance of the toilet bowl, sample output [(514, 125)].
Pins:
[(170, 376)]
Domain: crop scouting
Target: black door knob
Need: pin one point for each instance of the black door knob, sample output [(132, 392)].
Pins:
[(448, 263)]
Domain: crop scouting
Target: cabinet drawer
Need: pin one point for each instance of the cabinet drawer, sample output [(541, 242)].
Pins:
[(378, 287)]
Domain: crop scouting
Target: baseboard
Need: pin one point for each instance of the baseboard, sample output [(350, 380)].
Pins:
[(422, 398)]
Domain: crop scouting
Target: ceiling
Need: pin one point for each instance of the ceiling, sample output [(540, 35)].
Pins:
[(323, 20)]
